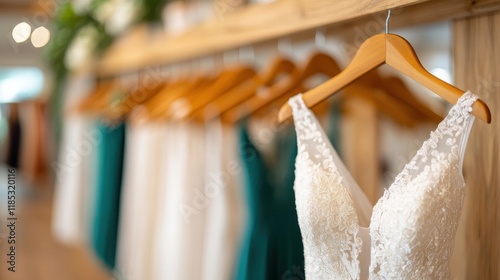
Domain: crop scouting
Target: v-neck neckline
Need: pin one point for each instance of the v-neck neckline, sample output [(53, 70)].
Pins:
[(346, 176)]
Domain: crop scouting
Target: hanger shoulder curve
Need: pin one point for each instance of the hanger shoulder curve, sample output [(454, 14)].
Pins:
[(370, 55), (240, 95), (401, 56), (317, 63), (398, 53), (222, 85)]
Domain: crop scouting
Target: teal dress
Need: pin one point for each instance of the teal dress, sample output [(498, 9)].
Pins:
[(290, 253), (272, 246), (108, 188)]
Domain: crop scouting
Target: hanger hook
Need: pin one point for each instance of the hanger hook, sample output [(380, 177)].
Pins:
[(320, 38), (194, 65), (251, 54), (187, 67), (208, 62), (226, 57), (167, 68), (387, 21), (245, 53), (284, 46), (175, 70)]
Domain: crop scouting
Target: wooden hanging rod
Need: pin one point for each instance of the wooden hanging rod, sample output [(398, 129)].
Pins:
[(261, 22)]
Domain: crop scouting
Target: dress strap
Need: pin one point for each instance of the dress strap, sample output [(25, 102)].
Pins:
[(306, 124), (310, 135), (465, 103), (466, 100), (459, 119), (299, 111), (315, 147), (297, 103), (446, 143)]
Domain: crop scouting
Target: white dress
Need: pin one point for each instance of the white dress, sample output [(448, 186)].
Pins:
[(410, 232), (74, 190), (143, 166), (74, 187), (224, 212), (179, 233)]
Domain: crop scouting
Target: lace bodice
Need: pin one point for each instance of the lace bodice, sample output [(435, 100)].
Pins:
[(409, 233)]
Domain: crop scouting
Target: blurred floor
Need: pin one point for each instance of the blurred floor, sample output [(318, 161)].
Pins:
[(39, 256)]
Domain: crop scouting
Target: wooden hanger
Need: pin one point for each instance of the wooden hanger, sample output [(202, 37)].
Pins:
[(242, 92), (398, 53), (394, 88), (164, 112), (319, 63), (157, 104), (397, 89), (400, 112), (117, 107), (185, 107), (179, 95), (156, 107), (89, 103), (134, 98), (273, 107)]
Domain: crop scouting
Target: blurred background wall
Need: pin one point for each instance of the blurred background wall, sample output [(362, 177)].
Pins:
[(50, 54)]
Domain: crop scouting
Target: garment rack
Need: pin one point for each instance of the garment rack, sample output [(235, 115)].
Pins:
[(264, 22)]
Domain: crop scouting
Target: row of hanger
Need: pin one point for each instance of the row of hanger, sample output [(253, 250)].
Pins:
[(397, 52), (240, 91)]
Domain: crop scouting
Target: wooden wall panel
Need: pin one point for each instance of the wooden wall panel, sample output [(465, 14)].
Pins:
[(360, 144), (477, 67)]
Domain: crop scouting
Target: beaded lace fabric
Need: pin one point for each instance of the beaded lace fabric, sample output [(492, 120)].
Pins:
[(409, 233)]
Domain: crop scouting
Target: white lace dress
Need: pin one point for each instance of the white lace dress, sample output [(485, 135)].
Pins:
[(409, 234)]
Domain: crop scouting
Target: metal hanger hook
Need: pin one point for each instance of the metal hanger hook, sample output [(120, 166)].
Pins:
[(207, 62), (187, 67), (226, 56), (195, 64), (285, 46), (167, 68), (247, 51), (387, 21), (320, 38)]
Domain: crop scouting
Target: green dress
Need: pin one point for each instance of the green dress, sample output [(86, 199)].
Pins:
[(272, 246), (108, 187)]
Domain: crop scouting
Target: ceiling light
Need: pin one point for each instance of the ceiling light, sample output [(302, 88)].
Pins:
[(40, 37), (21, 32)]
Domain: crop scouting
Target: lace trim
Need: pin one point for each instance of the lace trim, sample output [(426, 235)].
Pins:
[(450, 128), (422, 185), (433, 179), (343, 221)]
